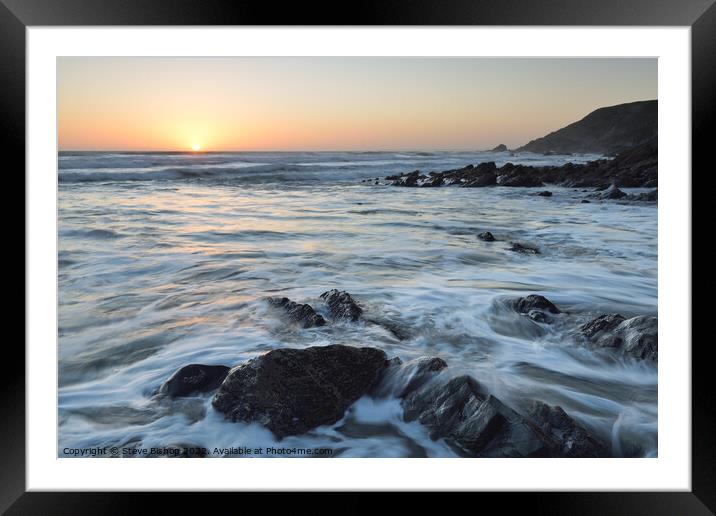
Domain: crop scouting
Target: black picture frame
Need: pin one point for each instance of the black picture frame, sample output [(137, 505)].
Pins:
[(700, 15)]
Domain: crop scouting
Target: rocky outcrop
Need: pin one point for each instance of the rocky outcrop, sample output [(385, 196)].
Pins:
[(291, 391), (633, 167), (301, 314), (607, 130), (193, 379), (545, 193), (475, 422), (518, 175), (637, 337), (523, 248), (574, 440), (486, 236), (500, 148), (341, 305)]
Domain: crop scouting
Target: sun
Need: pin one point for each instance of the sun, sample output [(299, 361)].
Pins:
[(195, 147)]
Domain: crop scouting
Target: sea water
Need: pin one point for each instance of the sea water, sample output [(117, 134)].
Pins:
[(165, 259)]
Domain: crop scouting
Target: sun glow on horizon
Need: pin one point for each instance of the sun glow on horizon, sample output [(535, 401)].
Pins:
[(195, 147)]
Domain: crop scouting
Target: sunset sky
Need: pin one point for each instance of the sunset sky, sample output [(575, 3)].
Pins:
[(316, 103)]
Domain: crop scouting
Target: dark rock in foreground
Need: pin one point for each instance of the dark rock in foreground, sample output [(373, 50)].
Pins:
[(341, 305), (574, 440), (291, 391), (545, 193), (475, 422), (192, 379), (301, 314), (637, 337), (486, 236), (524, 248)]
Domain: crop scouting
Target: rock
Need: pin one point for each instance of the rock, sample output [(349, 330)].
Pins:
[(486, 236), (519, 176), (534, 302), (398, 330), (291, 391), (637, 337), (433, 180), (475, 422), (400, 379), (641, 337), (652, 196), (574, 440), (611, 192), (545, 193), (607, 322), (341, 305), (500, 148), (193, 378), (482, 179), (524, 248), (301, 314), (410, 179), (585, 201)]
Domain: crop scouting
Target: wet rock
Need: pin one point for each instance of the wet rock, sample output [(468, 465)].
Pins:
[(341, 305), (410, 179), (192, 379), (637, 336), (603, 323), (519, 176), (612, 192), (398, 330), (545, 193), (475, 422), (302, 314), (585, 201), (652, 196), (486, 236), (434, 180), (291, 391), (400, 379), (574, 440), (500, 148), (534, 306), (481, 178), (523, 248)]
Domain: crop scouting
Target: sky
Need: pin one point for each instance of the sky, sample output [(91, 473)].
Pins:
[(329, 103)]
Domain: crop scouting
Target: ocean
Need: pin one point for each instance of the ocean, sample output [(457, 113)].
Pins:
[(166, 259)]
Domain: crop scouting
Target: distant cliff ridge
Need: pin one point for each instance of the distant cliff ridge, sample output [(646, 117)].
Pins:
[(607, 130)]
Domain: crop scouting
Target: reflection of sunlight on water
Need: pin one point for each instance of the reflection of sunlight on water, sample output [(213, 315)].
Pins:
[(184, 278)]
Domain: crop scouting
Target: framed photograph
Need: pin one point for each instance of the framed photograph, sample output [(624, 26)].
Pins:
[(434, 246)]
